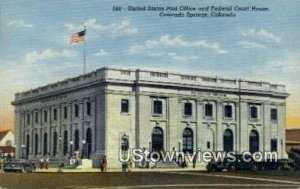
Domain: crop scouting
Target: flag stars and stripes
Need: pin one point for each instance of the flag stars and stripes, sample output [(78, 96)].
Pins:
[(78, 37)]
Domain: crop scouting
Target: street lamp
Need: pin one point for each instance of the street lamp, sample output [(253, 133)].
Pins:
[(83, 148), (71, 148), (60, 154), (23, 148)]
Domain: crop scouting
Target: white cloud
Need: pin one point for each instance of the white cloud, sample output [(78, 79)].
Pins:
[(118, 29), (250, 45), (289, 63), (101, 52), (177, 41), (19, 24), (261, 34), (35, 56), (182, 58)]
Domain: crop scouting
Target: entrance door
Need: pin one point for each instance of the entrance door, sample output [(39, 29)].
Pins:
[(157, 139)]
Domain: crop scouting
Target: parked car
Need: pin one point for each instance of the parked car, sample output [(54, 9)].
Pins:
[(280, 164), (294, 155), (239, 163), (14, 165)]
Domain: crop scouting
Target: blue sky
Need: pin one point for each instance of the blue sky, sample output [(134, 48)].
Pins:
[(35, 47)]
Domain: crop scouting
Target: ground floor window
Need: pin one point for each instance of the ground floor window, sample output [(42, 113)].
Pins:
[(274, 145), (54, 143), (228, 140), (253, 141), (76, 145), (157, 139), (65, 143), (187, 140), (89, 142), (45, 152)]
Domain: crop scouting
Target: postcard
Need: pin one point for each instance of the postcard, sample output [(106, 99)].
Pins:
[(149, 94)]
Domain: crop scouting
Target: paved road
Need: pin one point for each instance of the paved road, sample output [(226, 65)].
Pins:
[(144, 180)]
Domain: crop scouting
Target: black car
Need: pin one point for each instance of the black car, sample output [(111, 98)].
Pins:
[(236, 162), (294, 155), (280, 164), (21, 166)]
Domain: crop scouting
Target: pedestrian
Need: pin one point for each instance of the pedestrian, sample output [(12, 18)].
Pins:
[(104, 163), (1, 166), (41, 163), (129, 165), (194, 161), (101, 165), (46, 161)]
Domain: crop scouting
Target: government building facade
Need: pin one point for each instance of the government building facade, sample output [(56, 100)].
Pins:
[(113, 109)]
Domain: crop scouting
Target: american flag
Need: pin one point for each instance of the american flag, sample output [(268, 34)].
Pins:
[(78, 37)]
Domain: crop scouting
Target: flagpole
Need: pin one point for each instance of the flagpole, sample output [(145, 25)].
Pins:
[(84, 64)]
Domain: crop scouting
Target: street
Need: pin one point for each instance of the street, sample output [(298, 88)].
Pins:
[(193, 179)]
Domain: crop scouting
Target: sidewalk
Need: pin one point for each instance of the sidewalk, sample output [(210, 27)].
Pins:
[(91, 170)]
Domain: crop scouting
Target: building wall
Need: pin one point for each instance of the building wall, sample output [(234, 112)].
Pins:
[(105, 88)]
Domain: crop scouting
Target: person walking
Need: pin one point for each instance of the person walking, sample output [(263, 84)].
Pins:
[(104, 164)]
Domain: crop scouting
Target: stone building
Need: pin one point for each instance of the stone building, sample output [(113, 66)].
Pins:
[(111, 109)]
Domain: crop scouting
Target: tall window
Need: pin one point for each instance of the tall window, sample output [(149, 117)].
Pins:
[(76, 107), (124, 143), (65, 142), (253, 141), (36, 144), (157, 107), (187, 140), (28, 119), (45, 144), (273, 114), (228, 111), (273, 145), (89, 142), (54, 143), (45, 116), (36, 117), (228, 140), (88, 108), (157, 139), (208, 108), (124, 105), (65, 112), (253, 112), (27, 145), (76, 146), (55, 114), (188, 109)]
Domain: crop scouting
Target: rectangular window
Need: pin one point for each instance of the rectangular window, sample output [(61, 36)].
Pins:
[(36, 117), (65, 112), (228, 111), (208, 145), (208, 110), (157, 107), (273, 145), (273, 114), (253, 112), (28, 119), (76, 109), (188, 109), (124, 105), (88, 108), (45, 116), (55, 114)]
